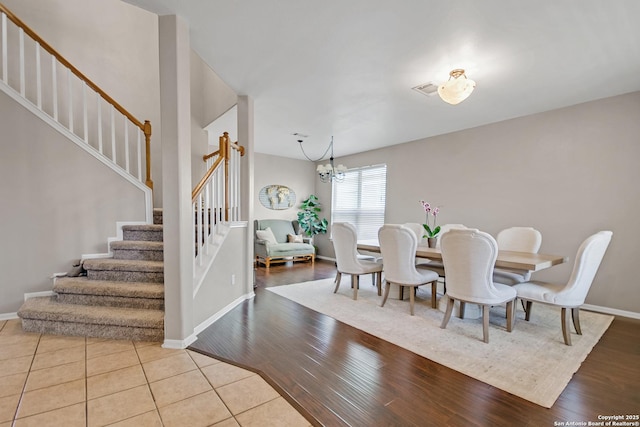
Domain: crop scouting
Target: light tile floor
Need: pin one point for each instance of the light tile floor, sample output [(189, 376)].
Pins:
[(54, 380)]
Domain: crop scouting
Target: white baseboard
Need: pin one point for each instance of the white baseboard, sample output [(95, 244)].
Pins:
[(326, 258), (612, 311), (179, 344), (8, 316), (39, 294), (211, 320)]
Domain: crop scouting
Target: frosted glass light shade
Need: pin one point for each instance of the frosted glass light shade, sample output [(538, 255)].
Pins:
[(457, 88)]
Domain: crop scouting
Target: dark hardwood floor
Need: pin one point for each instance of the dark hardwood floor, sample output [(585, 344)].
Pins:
[(337, 375)]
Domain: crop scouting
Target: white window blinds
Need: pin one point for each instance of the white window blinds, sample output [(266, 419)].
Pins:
[(360, 200)]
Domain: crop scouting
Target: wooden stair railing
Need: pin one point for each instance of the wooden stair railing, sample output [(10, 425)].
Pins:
[(144, 127), (216, 198)]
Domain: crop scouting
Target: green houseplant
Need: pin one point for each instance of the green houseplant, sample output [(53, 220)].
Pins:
[(308, 218)]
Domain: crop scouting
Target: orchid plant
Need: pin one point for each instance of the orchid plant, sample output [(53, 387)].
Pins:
[(432, 230)]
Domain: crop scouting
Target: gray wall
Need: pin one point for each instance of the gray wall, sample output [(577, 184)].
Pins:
[(57, 203), (569, 173), (210, 98), (298, 175), (115, 45), (217, 290)]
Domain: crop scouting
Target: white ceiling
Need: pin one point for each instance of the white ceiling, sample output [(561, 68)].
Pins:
[(346, 67)]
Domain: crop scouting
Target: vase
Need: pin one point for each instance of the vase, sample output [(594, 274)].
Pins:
[(432, 242)]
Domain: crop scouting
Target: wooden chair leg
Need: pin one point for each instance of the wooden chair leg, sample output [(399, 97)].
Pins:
[(337, 281), (356, 283), (379, 282), (566, 333), (511, 315), (412, 298), (447, 314), (527, 311), (461, 311), (434, 289), (575, 315), (386, 293), (485, 323)]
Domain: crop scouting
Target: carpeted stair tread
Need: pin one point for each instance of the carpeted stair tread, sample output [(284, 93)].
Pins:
[(110, 264), (138, 245), (47, 309), (84, 286), (142, 227)]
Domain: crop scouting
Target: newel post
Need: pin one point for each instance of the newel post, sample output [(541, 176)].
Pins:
[(147, 139), (225, 152)]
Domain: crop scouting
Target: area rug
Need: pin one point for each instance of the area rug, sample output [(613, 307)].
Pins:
[(531, 362)]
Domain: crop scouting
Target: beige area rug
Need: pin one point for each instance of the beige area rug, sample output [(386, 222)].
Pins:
[(532, 362)]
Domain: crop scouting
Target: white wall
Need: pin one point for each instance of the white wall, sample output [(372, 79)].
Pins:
[(112, 43), (569, 173), (57, 202), (298, 175)]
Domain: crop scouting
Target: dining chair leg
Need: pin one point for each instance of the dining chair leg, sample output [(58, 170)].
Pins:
[(527, 311), (511, 318), (447, 314), (412, 298), (337, 281), (461, 311), (575, 315), (434, 289), (355, 279), (485, 323), (566, 333), (386, 292), (379, 282)]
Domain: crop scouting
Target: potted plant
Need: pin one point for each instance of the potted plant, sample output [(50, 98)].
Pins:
[(308, 218), (431, 230)]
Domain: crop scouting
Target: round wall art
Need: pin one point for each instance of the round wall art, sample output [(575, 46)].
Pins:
[(277, 197)]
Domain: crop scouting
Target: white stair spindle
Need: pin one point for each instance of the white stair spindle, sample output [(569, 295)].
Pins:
[(99, 109), (113, 136), (85, 119), (54, 83), (22, 84), (70, 92), (38, 77), (139, 150), (126, 144), (4, 48)]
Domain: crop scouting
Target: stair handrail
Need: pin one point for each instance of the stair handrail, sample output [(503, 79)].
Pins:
[(211, 198), (144, 127)]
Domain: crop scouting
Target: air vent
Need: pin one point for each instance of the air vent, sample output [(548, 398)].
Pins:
[(428, 89)]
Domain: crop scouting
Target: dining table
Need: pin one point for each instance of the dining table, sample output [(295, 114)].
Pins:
[(506, 259)]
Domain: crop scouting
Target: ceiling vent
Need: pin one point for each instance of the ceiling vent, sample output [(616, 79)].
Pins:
[(428, 89)]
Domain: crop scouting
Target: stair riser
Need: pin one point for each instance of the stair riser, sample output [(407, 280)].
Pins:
[(138, 255), (90, 330), (143, 235), (126, 276), (157, 218), (110, 301)]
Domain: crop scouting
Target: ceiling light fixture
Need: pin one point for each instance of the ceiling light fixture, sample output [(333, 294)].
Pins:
[(328, 172), (457, 88)]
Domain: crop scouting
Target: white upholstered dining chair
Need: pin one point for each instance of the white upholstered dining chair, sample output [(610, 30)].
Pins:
[(349, 261), (438, 266), (518, 239), (572, 294), (469, 257), (398, 248)]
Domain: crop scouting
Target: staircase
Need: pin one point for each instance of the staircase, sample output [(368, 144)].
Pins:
[(120, 297)]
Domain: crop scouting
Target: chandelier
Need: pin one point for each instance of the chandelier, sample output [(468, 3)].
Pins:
[(328, 172), (457, 88)]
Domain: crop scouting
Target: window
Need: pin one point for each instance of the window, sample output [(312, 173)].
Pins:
[(360, 200)]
